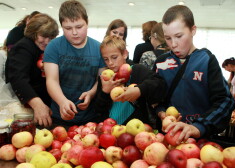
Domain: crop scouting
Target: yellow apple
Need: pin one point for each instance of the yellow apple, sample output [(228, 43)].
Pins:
[(172, 111), (43, 159), (22, 139), (61, 165), (32, 150), (135, 126), (101, 164), (107, 74), (116, 91), (25, 165), (229, 156), (44, 137), (132, 85), (210, 153), (117, 130)]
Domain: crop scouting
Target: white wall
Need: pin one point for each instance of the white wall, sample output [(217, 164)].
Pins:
[(219, 41)]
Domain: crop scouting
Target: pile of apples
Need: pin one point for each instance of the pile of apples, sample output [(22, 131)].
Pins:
[(109, 145)]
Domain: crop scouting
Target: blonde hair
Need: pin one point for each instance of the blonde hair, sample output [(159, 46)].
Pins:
[(113, 41), (72, 10), (43, 25)]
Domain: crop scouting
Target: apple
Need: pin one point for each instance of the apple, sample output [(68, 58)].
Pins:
[(191, 150), (148, 128), (7, 152), (56, 144), (71, 141), (64, 157), (200, 143), (71, 134), (119, 164), (79, 129), (177, 158), (90, 140), (20, 154), (192, 141), (40, 64), (124, 72), (101, 164), (90, 155), (130, 154), (155, 153), (125, 139), (144, 139), (213, 164), (77, 137), (86, 130), (132, 85), (22, 139), (117, 130), (43, 159), (25, 165), (110, 121), (113, 154), (73, 128), (210, 153), (73, 154), (172, 139), (215, 145), (59, 133), (159, 137), (61, 165), (98, 127), (172, 111), (165, 165), (56, 153), (194, 163), (107, 140), (65, 147), (107, 74), (116, 91), (135, 126), (139, 163), (166, 121), (32, 150), (229, 156), (91, 125), (43, 137), (106, 129)]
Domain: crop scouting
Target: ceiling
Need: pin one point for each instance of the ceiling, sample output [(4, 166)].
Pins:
[(207, 13)]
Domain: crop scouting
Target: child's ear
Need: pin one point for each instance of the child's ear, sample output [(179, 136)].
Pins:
[(194, 28), (125, 54)]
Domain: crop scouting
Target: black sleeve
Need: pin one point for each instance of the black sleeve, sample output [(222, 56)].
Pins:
[(137, 54)]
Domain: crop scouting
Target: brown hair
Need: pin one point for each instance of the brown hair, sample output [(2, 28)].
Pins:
[(116, 24), (113, 41), (179, 12), (157, 32), (228, 61), (146, 29), (43, 25), (24, 20), (72, 10)]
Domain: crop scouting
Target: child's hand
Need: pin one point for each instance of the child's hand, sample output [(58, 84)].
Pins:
[(85, 100), (107, 86), (131, 94), (67, 110)]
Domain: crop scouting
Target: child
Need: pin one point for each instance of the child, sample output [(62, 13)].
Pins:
[(149, 89), (72, 63), (202, 96)]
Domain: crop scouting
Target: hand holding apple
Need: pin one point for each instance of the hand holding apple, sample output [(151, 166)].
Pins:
[(124, 72), (107, 74)]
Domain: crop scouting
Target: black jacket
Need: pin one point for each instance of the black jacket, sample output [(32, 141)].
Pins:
[(23, 74), (152, 88), (140, 49)]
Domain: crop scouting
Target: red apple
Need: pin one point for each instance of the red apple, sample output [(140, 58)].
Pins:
[(124, 72), (86, 130), (125, 139), (56, 153), (90, 155), (40, 64), (215, 145), (106, 129), (73, 154), (73, 128), (148, 128), (20, 154), (194, 163), (213, 164), (159, 137), (177, 158), (71, 134), (91, 125), (56, 144), (229, 156), (7, 152), (144, 139), (191, 140), (107, 140), (71, 141), (201, 142), (165, 165), (172, 139), (90, 140), (191, 150), (79, 129), (119, 164), (110, 121), (139, 164), (130, 154), (98, 127), (113, 154), (59, 133)]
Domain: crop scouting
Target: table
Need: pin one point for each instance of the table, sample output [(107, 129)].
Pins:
[(8, 164)]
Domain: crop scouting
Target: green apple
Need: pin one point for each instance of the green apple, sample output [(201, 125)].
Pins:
[(25, 165), (101, 164), (117, 130), (44, 137), (61, 165), (135, 126), (43, 159), (210, 153)]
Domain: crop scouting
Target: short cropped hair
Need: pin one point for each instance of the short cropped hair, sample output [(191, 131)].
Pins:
[(146, 29), (116, 24), (43, 25), (179, 12), (113, 41), (72, 10)]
